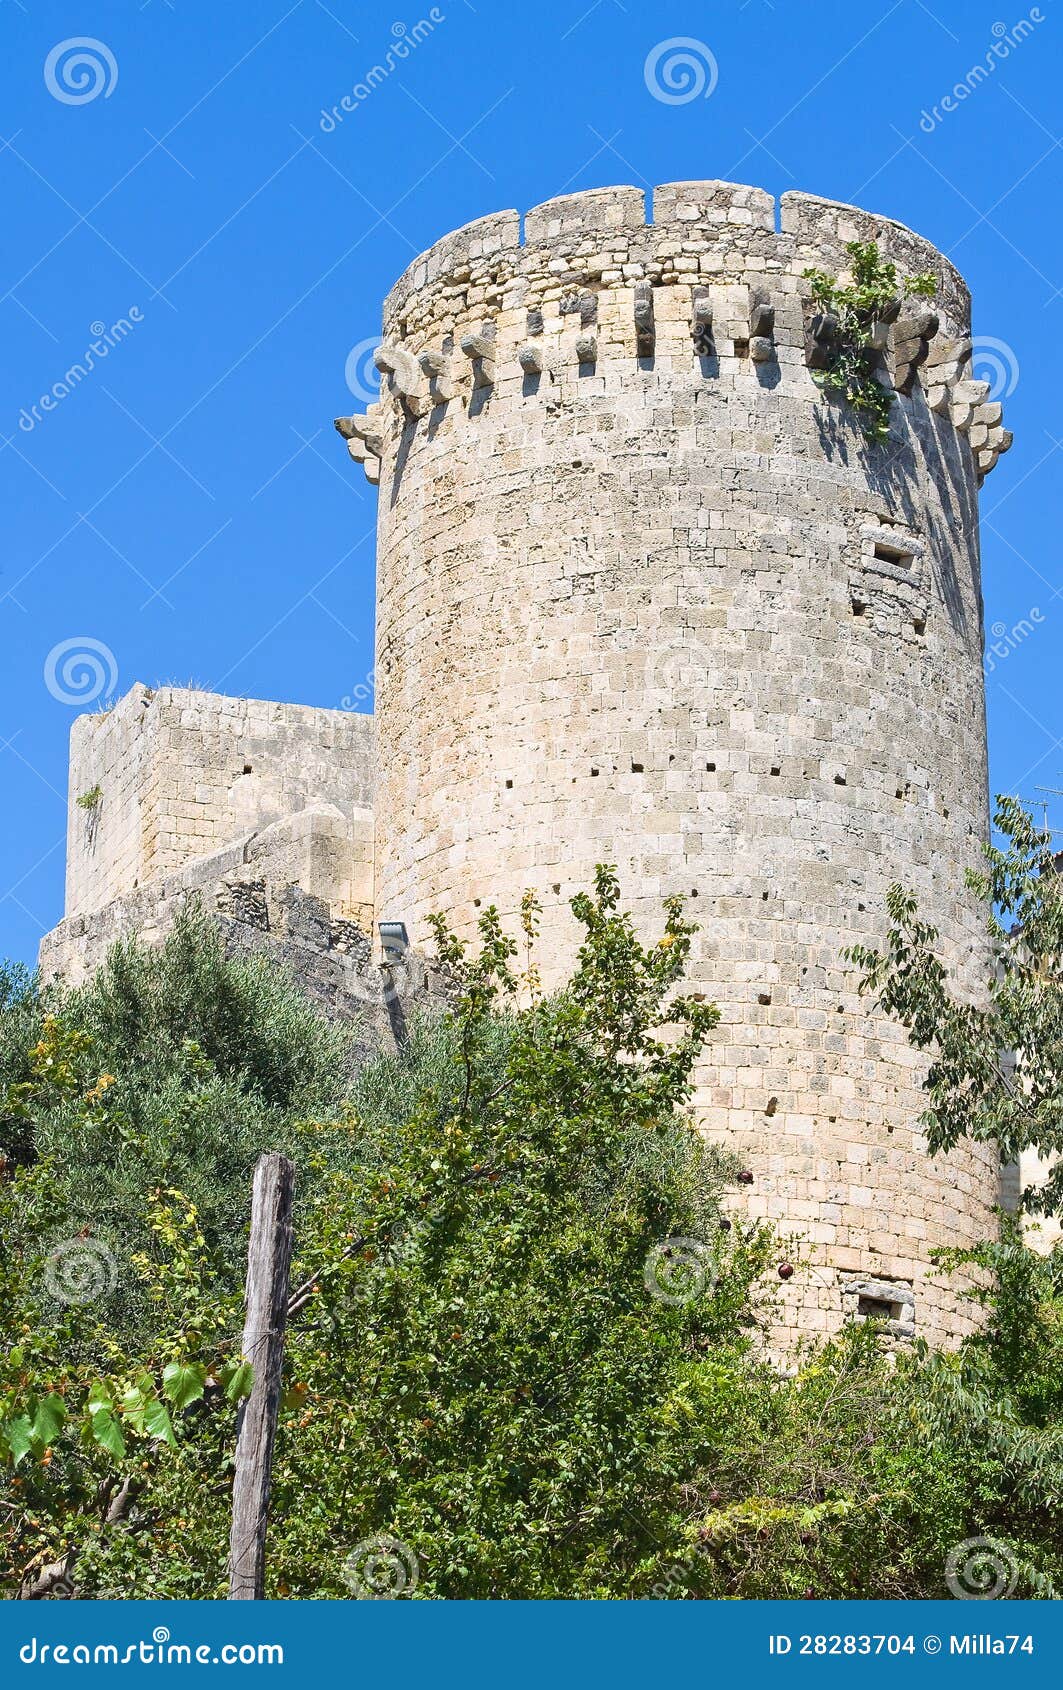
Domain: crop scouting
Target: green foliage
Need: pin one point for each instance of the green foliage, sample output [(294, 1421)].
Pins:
[(863, 1474), (172, 1068), (90, 800), (871, 296), (87, 1422), (974, 1090), (524, 1338), (473, 1337)]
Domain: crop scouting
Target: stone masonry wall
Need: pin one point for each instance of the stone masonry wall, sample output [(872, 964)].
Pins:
[(332, 958), (646, 597), (176, 773), (327, 855)]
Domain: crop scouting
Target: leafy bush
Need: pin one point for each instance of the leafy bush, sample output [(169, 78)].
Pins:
[(172, 1068), (870, 297), (523, 1358)]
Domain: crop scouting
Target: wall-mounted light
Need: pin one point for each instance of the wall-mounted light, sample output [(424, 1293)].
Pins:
[(394, 940)]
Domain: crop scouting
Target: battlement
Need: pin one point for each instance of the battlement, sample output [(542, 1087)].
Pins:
[(590, 288), (602, 236)]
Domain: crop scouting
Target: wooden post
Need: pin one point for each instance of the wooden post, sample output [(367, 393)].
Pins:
[(269, 1254)]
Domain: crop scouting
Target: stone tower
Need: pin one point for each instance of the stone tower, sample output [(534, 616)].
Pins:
[(646, 597)]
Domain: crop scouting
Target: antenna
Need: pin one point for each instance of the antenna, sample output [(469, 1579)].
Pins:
[(1052, 792)]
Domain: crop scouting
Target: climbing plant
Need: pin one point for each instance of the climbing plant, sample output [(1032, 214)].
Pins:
[(853, 312)]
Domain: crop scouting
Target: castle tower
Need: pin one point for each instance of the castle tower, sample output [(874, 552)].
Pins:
[(646, 597)]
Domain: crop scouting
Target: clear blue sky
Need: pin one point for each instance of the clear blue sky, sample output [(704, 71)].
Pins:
[(188, 505)]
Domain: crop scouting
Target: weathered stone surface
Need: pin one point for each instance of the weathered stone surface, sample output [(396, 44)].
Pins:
[(664, 608), (628, 615), (182, 772)]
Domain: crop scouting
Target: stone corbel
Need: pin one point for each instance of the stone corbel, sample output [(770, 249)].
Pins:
[(761, 329), (480, 351), (365, 443), (645, 332), (442, 384), (701, 324), (405, 380), (911, 339)]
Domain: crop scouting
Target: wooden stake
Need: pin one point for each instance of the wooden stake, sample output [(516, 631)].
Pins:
[(269, 1254)]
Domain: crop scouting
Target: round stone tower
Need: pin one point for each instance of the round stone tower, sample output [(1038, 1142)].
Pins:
[(646, 597)]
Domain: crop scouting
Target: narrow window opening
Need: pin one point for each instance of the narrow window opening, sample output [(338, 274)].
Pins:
[(878, 1308), (887, 553)]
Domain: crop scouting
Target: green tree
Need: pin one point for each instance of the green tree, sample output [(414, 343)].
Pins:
[(996, 1065), (507, 1294)]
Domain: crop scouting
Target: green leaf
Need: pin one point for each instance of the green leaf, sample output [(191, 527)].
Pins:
[(107, 1432), (183, 1384), (51, 1413), (158, 1423), (19, 1435), (240, 1383), (99, 1396)]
